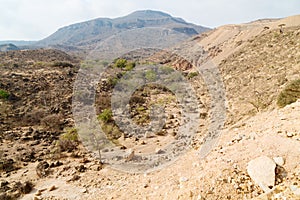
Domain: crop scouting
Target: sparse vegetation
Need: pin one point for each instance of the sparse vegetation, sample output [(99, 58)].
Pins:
[(130, 66), (112, 81), (192, 75), (4, 94), (124, 64), (290, 94), (62, 64), (150, 75), (53, 121), (105, 116), (68, 141), (166, 69), (112, 131), (120, 63)]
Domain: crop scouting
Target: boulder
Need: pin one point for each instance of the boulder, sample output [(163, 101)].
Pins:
[(262, 172)]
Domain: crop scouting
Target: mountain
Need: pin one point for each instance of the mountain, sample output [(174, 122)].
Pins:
[(140, 29), (8, 47), (18, 42)]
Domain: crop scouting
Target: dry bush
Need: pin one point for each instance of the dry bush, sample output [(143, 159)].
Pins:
[(69, 140), (53, 122), (34, 117)]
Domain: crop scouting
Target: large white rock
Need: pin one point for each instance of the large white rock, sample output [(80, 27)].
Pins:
[(279, 161), (262, 172)]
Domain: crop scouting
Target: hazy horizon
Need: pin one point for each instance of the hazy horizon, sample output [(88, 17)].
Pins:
[(35, 20)]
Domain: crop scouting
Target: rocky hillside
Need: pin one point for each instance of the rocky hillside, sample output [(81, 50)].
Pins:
[(38, 84), (141, 29), (256, 61)]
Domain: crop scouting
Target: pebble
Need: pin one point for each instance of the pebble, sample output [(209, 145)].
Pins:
[(130, 155), (38, 193), (183, 179), (289, 134), (295, 190), (159, 151)]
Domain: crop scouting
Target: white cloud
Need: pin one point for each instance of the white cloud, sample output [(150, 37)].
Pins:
[(35, 19)]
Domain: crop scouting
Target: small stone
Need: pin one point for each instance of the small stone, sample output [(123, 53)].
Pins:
[(74, 178), (81, 168), (130, 155), (159, 151), (295, 190), (279, 161), (262, 172), (148, 135), (84, 190), (183, 179), (289, 134), (143, 142), (199, 197), (38, 193)]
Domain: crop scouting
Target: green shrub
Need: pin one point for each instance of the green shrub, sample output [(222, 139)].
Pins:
[(4, 94), (106, 115), (112, 81), (120, 63), (129, 66), (70, 134), (150, 75), (192, 75), (112, 131), (290, 94), (124, 64), (140, 108)]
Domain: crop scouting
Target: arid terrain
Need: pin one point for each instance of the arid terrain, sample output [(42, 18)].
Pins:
[(42, 156)]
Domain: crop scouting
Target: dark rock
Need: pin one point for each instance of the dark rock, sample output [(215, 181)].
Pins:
[(42, 169), (74, 178), (80, 168), (4, 196), (24, 188), (7, 165)]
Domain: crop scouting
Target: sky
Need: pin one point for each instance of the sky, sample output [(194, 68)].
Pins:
[(37, 19)]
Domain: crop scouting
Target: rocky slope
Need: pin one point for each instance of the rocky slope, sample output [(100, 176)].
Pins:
[(39, 84)]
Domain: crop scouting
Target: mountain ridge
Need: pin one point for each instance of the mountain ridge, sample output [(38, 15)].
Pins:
[(87, 35)]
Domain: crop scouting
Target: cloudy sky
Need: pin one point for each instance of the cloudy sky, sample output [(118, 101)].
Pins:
[(36, 19)]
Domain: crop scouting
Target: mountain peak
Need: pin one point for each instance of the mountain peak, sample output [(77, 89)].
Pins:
[(148, 14), (140, 29)]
